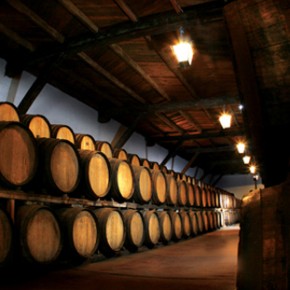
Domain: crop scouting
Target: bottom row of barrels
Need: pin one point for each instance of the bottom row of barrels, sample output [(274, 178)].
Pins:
[(43, 235)]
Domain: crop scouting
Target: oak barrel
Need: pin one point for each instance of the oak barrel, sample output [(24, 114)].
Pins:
[(145, 163), (95, 174), (177, 228), (159, 187), (18, 154), (203, 197), (134, 159), (37, 124), (197, 195), (165, 226), (104, 147), (120, 154), (80, 232), (194, 223), (6, 238), (186, 223), (111, 229), (63, 132), (143, 184), (39, 234), (199, 221), (59, 169), (205, 221), (152, 228), (181, 193), (171, 190), (135, 229), (155, 165), (8, 112), (123, 184), (190, 194), (85, 141)]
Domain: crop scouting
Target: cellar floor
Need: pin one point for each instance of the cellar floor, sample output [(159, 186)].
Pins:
[(207, 261)]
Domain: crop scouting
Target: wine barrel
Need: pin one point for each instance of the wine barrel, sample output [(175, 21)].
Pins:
[(85, 142), (37, 124), (205, 221), (203, 197), (208, 196), (59, 169), (8, 112), (152, 228), (197, 195), (177, 228), (39, 234), (154, 165), (200, 221), (135, 229), (171, 190), (104, 147), (120, 154), (165, 226), (186, 223), (80, 232), (95, 174), (63, 132), (143, 184), (210, 218), (159, 187), (18, 158), (111, 229), (134, 159), (145, 163), (123, 184), (190, 195), (194, 223), (6, 240), (181, 193)]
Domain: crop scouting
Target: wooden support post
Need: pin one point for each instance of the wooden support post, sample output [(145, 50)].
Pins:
[(189, 163)]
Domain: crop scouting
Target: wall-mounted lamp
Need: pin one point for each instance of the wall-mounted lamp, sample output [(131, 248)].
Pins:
[(246, 159), (183, 50), (225, 120), (241, 147)]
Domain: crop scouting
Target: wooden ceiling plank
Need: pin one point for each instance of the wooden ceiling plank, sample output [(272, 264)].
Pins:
[(110, 77), (23, 9), (170, 123), (145, 26), (16, 38), (176, 6), (121, 53), (74, 10), (127, 10), (191, 120)]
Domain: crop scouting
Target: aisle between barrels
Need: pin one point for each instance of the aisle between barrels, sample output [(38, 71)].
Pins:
[(207, 262)]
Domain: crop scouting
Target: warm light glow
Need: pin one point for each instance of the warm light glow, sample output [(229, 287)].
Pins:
[(241, 146), (246, 159), (184, 53), (225, 120), (253, 169)]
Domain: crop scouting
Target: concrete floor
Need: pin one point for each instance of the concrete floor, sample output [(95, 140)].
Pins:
[(205, 262)]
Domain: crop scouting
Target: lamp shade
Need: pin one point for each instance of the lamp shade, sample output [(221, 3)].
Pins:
[(246, 159), (225, 120), (241, 146), (253, 169), (183, 52)]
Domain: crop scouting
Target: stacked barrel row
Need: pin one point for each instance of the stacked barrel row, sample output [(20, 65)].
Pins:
[(46, 235), (43, 158)]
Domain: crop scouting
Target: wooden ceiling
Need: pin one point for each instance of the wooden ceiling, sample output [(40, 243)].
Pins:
[(115, 56)]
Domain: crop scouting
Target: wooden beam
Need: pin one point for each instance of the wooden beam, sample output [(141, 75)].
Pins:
[(210, 149), (170, 123), (23, 9), (38, 85), (191, 120), (149, 25), (13, 88), (110, 77), (217, 179), (127, 10), (189, 163), (17, 38), (204, 135), (74, 10), (172, 152)]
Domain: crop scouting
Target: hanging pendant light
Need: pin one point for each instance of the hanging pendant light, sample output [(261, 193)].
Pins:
[(241, 147), (225, 120), (253, 168), (183, 50), (246, 159)]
